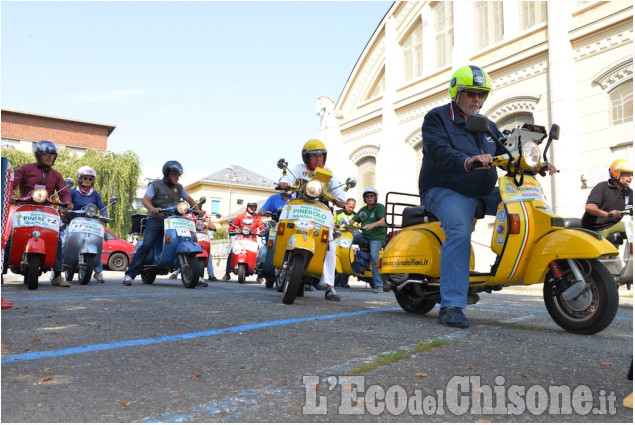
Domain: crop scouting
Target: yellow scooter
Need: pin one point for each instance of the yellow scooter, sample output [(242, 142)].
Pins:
[(530, 242), (351, 259), (303, 232)]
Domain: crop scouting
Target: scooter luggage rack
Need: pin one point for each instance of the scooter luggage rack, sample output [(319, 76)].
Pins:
[(396, 203)]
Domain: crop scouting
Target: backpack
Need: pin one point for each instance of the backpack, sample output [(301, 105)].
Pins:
[(361, 262)]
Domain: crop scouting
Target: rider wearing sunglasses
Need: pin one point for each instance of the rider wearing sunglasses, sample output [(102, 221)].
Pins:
[(83, 195)]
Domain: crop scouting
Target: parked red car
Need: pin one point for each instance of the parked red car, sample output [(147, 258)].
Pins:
[(116, 252)]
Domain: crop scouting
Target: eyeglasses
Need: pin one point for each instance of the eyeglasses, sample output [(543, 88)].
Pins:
[(473, 94), (89, 178)]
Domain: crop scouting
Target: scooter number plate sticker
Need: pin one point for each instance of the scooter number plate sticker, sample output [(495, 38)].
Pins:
[(36, 219), (91, 227), (182, 226), (244, 244), (307, 212), (204, 237)]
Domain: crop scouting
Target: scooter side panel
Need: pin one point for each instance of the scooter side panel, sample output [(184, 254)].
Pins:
[(564, 244), (415, 250)]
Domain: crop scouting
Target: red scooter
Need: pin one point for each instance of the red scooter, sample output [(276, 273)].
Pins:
[(244, 252), (34, 227)]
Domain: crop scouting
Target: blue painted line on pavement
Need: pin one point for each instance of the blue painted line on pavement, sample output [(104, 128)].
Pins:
[(128, 295), (25, 357)]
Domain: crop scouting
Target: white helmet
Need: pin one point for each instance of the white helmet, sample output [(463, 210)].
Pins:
[(370, 189), (85, 171)]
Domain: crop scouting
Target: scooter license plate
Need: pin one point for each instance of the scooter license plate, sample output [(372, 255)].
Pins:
[(90, 227), (202, 237), (182, 226), (36, 219)]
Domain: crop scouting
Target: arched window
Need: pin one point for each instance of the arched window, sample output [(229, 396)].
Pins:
[(366, 171), (621, 100), (514, 121)]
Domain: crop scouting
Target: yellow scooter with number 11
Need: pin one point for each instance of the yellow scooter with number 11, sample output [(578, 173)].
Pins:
[(530, 243), (303, 232)]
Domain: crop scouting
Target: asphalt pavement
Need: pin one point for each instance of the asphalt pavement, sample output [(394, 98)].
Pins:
[(235, 353)]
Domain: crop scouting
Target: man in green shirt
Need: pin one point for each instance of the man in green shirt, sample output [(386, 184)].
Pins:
[(373, 231)]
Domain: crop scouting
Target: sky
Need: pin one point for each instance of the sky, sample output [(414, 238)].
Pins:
[(210, 84)]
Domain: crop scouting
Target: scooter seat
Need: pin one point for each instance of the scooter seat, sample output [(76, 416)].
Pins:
[(417, 215), (572, 223)]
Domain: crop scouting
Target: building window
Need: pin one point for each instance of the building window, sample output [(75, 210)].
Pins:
[(215, 207), (379, 88), (488, 23), (621, 99), (10, 142), (514, 121), (412, 54), (443, 32), (532, 13), (366, 171)]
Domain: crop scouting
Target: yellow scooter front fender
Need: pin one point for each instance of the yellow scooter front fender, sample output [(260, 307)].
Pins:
[(297, 241), (561, 245)]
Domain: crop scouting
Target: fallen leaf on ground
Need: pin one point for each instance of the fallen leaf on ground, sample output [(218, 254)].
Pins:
[(526, 375), (421, 374), (46, 378), (36, 339)]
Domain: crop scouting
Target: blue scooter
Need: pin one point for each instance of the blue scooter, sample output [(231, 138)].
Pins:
[(84, 237), (177, 250)]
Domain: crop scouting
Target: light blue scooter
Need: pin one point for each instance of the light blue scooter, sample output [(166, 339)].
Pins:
[(177, 250)]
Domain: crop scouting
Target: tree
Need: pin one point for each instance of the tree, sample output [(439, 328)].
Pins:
[(117, 175)]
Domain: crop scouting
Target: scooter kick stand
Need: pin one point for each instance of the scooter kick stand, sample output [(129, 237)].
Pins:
[(6, 304)]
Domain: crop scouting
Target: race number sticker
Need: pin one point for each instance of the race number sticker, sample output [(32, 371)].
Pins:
[(529, 191), (182, 226), (317, 215), (244, 244), (86, 226), (36, 219), (203, 237)]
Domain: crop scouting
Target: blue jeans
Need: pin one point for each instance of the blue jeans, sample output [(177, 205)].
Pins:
[(153, 232), (375, 247), (456, 213)]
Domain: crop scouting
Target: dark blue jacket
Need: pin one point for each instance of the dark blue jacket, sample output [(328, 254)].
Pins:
[(447, 146)]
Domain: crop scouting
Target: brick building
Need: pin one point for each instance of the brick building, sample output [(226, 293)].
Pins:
[(21, 129)]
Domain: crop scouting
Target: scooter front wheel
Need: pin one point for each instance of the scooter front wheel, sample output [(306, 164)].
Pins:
[(594, 309), (241, 273), (191, 273), (293, 279), (85, 268), (32, 271)]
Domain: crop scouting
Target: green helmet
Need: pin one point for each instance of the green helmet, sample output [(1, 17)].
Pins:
[(469, 77)]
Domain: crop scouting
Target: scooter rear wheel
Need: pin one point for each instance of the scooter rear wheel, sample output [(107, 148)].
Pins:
[(410, 302), (594, 309)]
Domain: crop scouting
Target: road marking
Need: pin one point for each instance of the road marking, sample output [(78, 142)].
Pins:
[(24, 357)]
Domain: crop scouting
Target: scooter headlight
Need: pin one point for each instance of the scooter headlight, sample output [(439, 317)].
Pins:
[(39, 195), (531, 154), (36, 234), (91, 210), (245, 230), (314, 188), (200, 225), (182, 207)]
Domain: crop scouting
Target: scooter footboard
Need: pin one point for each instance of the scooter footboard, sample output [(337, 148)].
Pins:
[(561, 245)]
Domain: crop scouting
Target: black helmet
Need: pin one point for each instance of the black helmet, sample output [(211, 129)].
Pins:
[(172, 167), (44, 146), (252, 204)]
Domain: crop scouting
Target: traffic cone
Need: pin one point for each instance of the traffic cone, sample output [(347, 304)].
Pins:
[(6, 304)]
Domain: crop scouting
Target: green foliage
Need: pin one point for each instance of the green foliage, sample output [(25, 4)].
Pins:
[(221, 234), (117, 175)]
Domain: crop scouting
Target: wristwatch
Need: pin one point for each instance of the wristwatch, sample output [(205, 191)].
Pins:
[(610, 215)]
